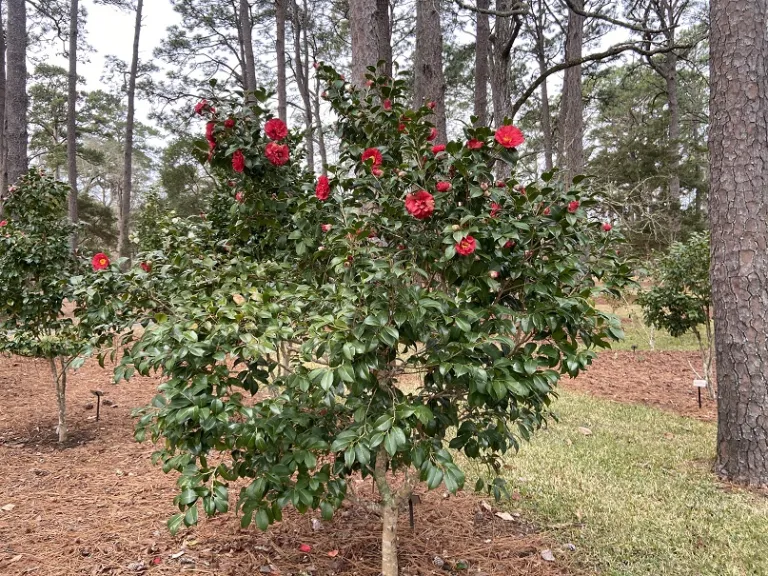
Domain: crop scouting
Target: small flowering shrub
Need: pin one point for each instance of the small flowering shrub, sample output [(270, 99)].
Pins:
[(404, 306), (36, 265)]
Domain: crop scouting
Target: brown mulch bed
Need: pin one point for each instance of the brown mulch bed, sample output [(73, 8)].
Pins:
[(98, 506), (660, 379)]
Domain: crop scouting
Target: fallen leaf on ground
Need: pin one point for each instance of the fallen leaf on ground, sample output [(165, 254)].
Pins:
[(305, 548), (547, 555), (8, 507), (506, 516), (157, 560), (177, 555), (586, 431), (333, 553), (485, 506)]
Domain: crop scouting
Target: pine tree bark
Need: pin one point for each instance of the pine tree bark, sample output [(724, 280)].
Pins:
[(505, 33), (282, 95), (385, 36), (72, 119), (428, 76), (546, 115), (364, 29), (302, 81), (16, 91), (125, 201), (571, 121), (249, 73), (482, 70), (738, 207)]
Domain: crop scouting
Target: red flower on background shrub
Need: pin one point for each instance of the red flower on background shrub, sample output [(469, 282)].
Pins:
[(573, 205), (201, 106), (509, 244), (277, 154), (238, 161), (547, 211), (501, 184), (387, 104), (229, 123), (401, 127), (438, 148), (3, 223), (326, 227), (322, 188), (474, 144), (275, 129), (420, 204), (209, 128), (495, 209), (431, 104), (606, 227), (100, 261), (240, 197), (466, 246), (443, 186), (509, 136), (378, 172), (432, 134), (372, 153), (146, 266)]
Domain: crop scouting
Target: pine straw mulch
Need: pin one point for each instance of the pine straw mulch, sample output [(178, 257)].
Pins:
[(98, 506)]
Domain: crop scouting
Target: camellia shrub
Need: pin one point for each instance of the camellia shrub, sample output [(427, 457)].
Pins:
[(36, 265), (405, 306), (680, 299)]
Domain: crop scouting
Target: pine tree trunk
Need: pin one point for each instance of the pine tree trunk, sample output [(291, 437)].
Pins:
[(572, 104), (364, 29), (282, 97), (249, 72), (428, 76), (302, 81), (319, 127), (385, 36), (546, 115), (501, 94), (16, 91), (125, 200), (72, 119), (674, 130), (738, 208), (482, 71)]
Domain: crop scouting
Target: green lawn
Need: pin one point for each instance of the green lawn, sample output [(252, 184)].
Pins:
[(637, 497), (638, 334)]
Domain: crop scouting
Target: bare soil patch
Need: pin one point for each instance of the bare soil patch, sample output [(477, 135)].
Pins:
[(98, 506), (660, 379)]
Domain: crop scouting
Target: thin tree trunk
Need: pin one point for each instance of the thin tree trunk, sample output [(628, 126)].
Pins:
[(3, 154), (72, 119), (428, 76), (303, 84), (125, 201), (674, 129), (389, 564), (60, 381), (249, 73), (282, 97), (571, 145), (546, 115), (364, 29), (503, 38), (16, 91), (482, 72), (738, 209), (319, 127), (385, 36)]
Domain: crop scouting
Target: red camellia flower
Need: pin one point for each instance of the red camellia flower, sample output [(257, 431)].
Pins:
[(201, 106), (443, 186), (606, 227), (229, 123), (322, 188), (438, 148), (495, 209), (509, 136), (432, 134), (573, 205), (275, 129), (146, 266), (240, 197), (276, 153), (238, 161), (209, 128), (4, 223), (547, 211), (100, 262), (501, 184), (401, 127), (474, 144), (378, 172), (509, 244), (420, 204), (431, 104), (467, 246), (325, 227), (372, 153), (387, 104), (369, 83), (493, 274)]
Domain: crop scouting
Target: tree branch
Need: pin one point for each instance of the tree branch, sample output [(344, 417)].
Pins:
[(517, 10), (616, 22)]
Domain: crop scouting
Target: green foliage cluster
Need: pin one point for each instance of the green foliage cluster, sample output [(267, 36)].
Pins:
[(333, 303)]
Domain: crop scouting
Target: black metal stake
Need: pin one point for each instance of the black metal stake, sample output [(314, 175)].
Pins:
[(699, 389), (98, 406), (410, 513)]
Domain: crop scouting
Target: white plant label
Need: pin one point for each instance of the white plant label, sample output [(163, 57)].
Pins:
[(699, 383)]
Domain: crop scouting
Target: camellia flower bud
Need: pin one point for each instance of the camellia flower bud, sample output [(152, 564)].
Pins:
[(455, 227), (493, 274)]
